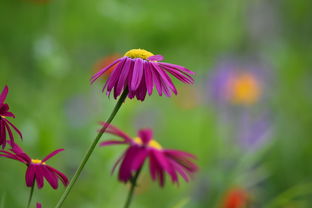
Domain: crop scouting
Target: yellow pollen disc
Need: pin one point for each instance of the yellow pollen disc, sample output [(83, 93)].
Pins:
[(2, 116), (152, 143), (138, 53), (35, 161), (245, 89), (138, 140)]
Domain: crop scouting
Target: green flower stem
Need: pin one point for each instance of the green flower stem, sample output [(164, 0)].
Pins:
[(133, 185), (91, 149), (30, 195)]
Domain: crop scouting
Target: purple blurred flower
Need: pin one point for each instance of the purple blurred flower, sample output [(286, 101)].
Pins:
[(5, 124), (139, 71), (254, 132), (37, 170), (38, 205), (238, 84), (143, 147)]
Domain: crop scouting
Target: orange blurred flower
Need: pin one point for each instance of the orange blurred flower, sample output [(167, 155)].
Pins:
[(104, 62), (244, 88), (235, 198)]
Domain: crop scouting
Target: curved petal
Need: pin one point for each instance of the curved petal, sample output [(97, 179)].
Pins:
[(146, 135), (4, 94), (52, 154), (156, 79), (38, 175), (155, 58), (111, 142), (123, 76), (179, 75), (2, 134), (115, 131), (118, 162), (30, 176), (7, 127), (141, 91), (4, 108), (14, 127), (177, 67), (148, 78), (101, 72), (166, 85), (139, 159), (60, 175), (9, 114), (137, 74), (50, 176), (114, 76), (124, 174)]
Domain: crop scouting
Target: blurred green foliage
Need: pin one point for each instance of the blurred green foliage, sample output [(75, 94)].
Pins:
[(48, 49)]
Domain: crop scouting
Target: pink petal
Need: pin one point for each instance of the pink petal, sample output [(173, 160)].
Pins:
[(146, 135), (123, 76), (4, 94), (114, 76), (14, 127), (148, 78), (115, 131), (50, 177), (38, 175), (137, 74), (52, 154), (156, 79), (155, 58), (111, 142), (60, 175), (100, 73), (177, 67), (30, 176)]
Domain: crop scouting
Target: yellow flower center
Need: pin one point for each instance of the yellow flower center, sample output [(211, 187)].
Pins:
[(36, 161), (2, 116), (152, 143), (245, 89), (138, 53)]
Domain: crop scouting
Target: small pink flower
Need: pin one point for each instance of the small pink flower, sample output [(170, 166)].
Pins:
[(139, 71), (143, 148), (38, 205), (37, 170), (5, 124)]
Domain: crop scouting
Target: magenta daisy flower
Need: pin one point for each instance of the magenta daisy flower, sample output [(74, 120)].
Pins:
[(161, 161), (139, 71), (37, 170), (5, 124)]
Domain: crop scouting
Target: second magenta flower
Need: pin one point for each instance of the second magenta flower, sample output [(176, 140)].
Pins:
[(161, 161)]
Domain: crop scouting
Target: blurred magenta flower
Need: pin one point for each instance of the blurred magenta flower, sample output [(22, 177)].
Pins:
[(5, 124), (37, 170), (161, 161), (139, 71), (38, 205)]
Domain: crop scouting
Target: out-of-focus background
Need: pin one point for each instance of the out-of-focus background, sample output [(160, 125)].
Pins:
[(247, 117)]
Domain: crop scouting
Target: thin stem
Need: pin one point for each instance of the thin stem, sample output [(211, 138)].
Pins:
[(133, 185), (91, 149), (30, 195)]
